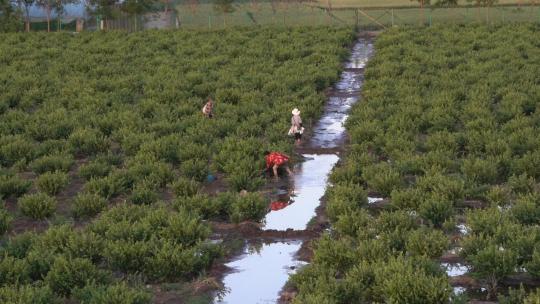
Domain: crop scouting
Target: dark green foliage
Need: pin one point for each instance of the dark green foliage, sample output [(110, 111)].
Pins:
[(195, 169), (143, 194), (112, 294), (67, 274), (252, 206), (94, 170), (88, 205), (13, 185), (184, 187), (426, 242), (37, 206), (447, 119), (51, 163), (52, 182), (87, 141), (5, 220), (28, 294), (344, 198)]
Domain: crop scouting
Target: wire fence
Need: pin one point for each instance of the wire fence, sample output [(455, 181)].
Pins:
[(207, 16), (290, 14)]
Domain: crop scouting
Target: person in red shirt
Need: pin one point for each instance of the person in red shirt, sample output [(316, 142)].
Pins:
[(275, 160)]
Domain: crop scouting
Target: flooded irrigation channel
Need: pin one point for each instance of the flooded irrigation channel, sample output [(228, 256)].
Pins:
[(258, 275)]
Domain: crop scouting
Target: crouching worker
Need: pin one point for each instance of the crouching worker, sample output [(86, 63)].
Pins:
[(276, 160)]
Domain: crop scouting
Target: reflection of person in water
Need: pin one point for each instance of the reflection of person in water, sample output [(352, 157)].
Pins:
[(275, 206)]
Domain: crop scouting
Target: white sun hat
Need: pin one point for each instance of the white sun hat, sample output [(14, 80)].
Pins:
[(295, 111)]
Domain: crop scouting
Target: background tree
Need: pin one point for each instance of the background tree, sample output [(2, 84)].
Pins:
[(48, 6), (135, 8), (423, 3), (9, 17), (105, 9), (27, 4), (59, 6), (224, 7)]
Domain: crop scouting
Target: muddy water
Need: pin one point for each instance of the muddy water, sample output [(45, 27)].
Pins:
[(329, 131), (309, 186), (260, 273), (258, 276)]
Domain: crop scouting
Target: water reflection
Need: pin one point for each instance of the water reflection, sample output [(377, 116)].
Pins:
[(310, 184), (260, 273)]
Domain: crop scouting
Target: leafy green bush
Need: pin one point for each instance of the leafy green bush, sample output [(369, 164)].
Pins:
[(111, 294), (533, 266), (498, 195), (343, 198), (526, 210), (195, 169), (66, 274), (51, 163), (37, 206), (13, 271), (94, 170), (208, 208), (87, 141), (251, 206), (28, 294), (184, 187), (493, 264), (143, 194), (52, 182), (533, 297), (108, 186), (426, 242), (5, 220), (436, 209), (382, 178), (15, 149), (88, 205), (521, 184), (13, 185)]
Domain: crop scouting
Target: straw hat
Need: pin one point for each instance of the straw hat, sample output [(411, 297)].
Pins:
[(295, 111)]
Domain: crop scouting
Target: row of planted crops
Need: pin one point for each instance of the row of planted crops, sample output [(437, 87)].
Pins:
[(447, 132), (104, 151)]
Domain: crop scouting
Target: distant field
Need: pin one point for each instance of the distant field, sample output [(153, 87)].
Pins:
[(252, 13), (395, 3)]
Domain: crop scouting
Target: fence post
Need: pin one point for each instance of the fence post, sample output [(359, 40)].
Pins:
[(209, 21), (392, 17), (430, 21)]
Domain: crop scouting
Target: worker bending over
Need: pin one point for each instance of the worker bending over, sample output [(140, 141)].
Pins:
[(275, 160)]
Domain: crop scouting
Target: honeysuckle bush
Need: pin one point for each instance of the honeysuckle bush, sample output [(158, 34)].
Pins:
[(448, 116), (128, 117), (92, 263)]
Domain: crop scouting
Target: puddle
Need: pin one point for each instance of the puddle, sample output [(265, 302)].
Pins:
[(454, 270), (458, 290), (360, 54), (329, 131), (310, 184), (463, 229), (373, 200), (455, 250), (260, 274)]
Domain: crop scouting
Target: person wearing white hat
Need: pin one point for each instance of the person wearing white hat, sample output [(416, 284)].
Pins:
[(296, 126)]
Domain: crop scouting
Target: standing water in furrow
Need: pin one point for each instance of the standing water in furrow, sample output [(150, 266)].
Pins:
[(259, 275)]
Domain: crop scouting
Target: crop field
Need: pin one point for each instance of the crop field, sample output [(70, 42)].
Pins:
[(104, 151), (446, 133)]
